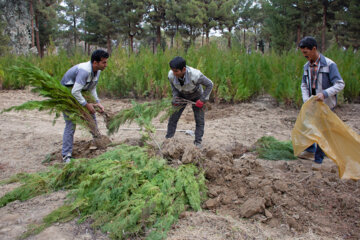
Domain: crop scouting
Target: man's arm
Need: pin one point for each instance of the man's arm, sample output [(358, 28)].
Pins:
[(94, 94), (79, 84), (304, 89), (175, 92), (203, 80), (336, 80)]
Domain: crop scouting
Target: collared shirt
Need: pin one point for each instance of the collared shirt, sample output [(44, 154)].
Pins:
[(314, 67), (328, 81), (190, 85), (81, 77)]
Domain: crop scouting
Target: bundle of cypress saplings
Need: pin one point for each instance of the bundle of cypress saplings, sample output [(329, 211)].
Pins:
[(58, 100), (124, 191)]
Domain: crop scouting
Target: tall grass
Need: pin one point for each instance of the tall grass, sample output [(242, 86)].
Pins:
[(237, 75)]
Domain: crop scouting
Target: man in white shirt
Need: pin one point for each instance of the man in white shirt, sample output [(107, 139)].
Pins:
[(82, 77)]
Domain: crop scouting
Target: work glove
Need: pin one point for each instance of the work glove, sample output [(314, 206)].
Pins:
[(199, 103), (174, 102)]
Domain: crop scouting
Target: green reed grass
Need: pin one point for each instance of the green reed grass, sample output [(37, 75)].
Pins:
[(237, 75)]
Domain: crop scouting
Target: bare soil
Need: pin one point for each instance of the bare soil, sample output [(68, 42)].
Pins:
[(248, 197)]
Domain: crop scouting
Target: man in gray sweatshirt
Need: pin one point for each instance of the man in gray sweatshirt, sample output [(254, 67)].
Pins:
[(82, 77), (186, 83)]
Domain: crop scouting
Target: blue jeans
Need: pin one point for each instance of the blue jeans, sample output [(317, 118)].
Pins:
[(319, 154)]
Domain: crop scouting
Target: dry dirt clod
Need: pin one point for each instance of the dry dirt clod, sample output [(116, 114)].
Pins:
[(211, 203), (252, 206)]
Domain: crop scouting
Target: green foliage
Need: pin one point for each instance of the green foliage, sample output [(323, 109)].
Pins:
[(58, 98), (141, 113), (36, 185), (237, 75), (124, 191), (20, 177), (272, 149), (348, 70), (62, 214)]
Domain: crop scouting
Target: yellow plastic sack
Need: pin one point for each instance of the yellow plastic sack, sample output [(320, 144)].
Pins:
[(316, 123)]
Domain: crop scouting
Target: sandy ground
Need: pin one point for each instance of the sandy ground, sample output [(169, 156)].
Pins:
[(297, 203)]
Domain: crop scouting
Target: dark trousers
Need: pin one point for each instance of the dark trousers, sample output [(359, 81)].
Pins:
[(199, 120), (319, 153)]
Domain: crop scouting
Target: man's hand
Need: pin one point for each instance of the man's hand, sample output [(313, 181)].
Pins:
[(174, 102), (319, 97), (90, 107), (199, 104), (102, 109)]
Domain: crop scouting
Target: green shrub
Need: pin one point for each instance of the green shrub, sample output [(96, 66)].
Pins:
[(124, 191), (271, 149)]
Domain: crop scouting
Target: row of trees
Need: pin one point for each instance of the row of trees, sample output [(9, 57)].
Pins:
[(279, 23)]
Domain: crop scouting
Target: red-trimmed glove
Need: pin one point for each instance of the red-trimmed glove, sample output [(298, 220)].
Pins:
[(174, 103), (199, 104)]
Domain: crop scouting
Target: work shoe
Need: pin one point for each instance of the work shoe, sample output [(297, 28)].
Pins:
[(67, 158), (198, 145), (316, 166), (307, 155)]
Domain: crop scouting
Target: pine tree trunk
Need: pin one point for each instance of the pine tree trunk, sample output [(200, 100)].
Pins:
[(37, 36), (207, 37), (153, 45), (298, 33), (202, 37), (337, 39), (108, 43), (158, 37), (244, 38), (255, 42), (131, 38), (191, 37), (85, 43), (42, 51), (177, 30), (32, 24), (323, 30), (74, 25)]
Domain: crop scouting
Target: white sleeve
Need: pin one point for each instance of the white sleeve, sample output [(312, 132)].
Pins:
[(94, 93), (76, 92)]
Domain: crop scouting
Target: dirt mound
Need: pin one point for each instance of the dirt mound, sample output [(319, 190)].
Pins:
[(81, 149), (101, 142), (273, 193), (318, 204)]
